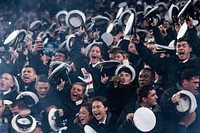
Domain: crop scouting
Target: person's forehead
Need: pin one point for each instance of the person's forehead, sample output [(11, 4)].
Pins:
[(182, 43), (77, 86), (95, 48), (43, 83), (122, 72), (27, 69), (95, 103), (7, 75), (145, 72)]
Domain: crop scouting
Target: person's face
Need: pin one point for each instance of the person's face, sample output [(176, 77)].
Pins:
[(152, 47), (145, 78), (119, 57), (183, 50), (28, 75), (84, 115), (59, 57), (112, 56), (167, 25), (6, 82), (15, 110), (99, 110), (125, 78), (76, 92), (132, 49), (2, 107), (151, 99), (95, 54), (42, 89), (191, 85)]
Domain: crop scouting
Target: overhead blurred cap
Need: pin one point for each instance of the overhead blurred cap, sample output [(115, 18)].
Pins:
[(187, 102), (126, 65), (152, 13), (124, 17), (75, 19), (129, 24), (23, 124), (11, 38), (171, 15), (144, 119), (21, 35), (169, 47), (161, 6), (60, 16), (54, 119), (50, 48), (35, 26), (182, 30), (58, 67), (44, 25), (52, 27), (29, 97), (187, 10), (122, 4), (70, 42), (107, 38), (100, 20), (107, 64), (120, 11)]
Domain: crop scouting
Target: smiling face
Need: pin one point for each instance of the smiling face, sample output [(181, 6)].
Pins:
[(28, 75), (42, 89), (77, 92), (84, 115), (95, 54), (99, 111), (183, 50), (6, 82)]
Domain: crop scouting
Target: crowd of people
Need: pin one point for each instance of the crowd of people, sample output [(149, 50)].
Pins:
[(93, 77)]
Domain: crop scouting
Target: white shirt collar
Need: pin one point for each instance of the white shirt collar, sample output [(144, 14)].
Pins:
[(78, 102), (6, 92), (104, 121)]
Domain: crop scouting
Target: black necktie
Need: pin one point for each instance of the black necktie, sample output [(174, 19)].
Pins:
[(101, 125)]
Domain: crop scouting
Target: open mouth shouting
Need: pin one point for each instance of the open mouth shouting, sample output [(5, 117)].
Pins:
[(26, 78), (2, 85)]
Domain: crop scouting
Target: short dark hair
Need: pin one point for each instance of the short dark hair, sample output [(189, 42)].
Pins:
[(99, 46), (183, 39), (101, 99), (144, 91), (188, 74), (41, 78), (27, 66), (88, 106), (81, 84), (20, 103), (150, 70)]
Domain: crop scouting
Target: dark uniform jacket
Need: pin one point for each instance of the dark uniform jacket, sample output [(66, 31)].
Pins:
[(108, 127), (173, 116), (168, 67), (125, 126)]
